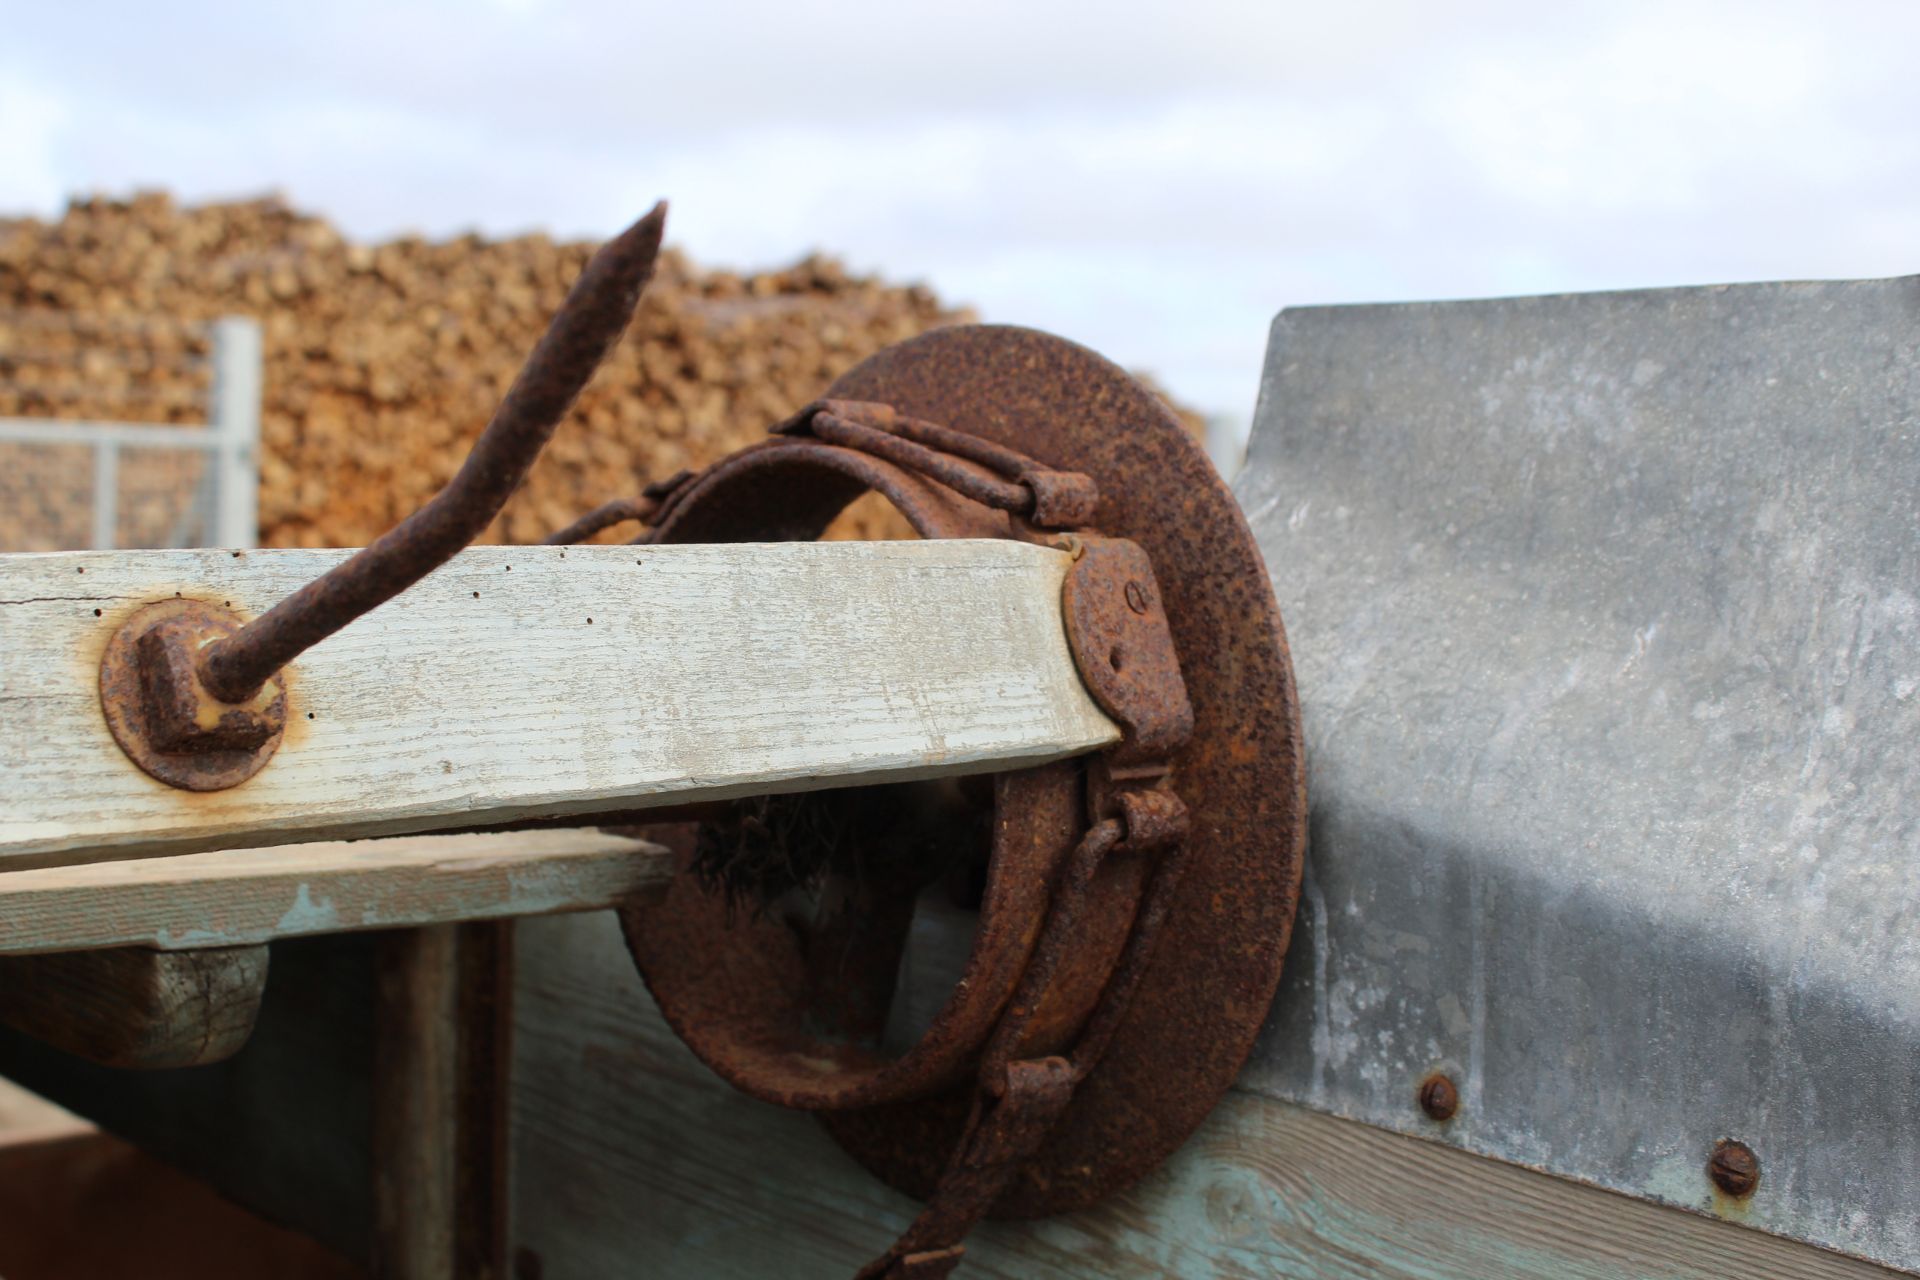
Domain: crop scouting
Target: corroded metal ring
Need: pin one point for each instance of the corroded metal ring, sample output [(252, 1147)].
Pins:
[(740, 990)]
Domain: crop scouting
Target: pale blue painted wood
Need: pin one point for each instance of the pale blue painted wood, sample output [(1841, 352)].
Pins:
[(631, 1158)]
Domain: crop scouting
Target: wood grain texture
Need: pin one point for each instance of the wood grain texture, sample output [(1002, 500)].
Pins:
[(483, 1155), (630, 1155), (238, 896), (415, 1104), (519, 682), (134, 1007)]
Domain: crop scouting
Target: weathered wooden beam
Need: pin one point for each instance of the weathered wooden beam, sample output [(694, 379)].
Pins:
[(536, 681), (133, 1007), (235, 897)]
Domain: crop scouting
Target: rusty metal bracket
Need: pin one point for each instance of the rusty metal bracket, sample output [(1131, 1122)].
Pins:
[(1120, 641), (1080, 1047), (972, 466)]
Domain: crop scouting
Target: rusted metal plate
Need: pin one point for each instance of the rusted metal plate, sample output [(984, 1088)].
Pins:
[(1610, 661), (1123, 648), (1201, 999)]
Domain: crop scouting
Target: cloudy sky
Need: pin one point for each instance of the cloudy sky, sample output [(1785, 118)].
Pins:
[(1153, 181)]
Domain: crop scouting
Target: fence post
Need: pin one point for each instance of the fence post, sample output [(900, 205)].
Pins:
[(235, 413), (106, 495)]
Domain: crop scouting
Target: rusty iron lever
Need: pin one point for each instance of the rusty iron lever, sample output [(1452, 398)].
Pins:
[(594, 315), (195, 697)]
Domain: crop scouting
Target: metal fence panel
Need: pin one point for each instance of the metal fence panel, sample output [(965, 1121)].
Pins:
[(70, 484)]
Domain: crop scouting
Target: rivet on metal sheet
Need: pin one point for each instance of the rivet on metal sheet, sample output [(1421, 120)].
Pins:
[(1439, 1098), (1734, 1168)]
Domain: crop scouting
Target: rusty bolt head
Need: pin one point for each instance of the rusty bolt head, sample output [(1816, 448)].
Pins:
[(162, 715), (1438, 1097), (182, 717), (1734, 1168)]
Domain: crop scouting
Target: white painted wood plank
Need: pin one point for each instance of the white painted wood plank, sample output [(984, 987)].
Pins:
[(485, 694), (234, 897)]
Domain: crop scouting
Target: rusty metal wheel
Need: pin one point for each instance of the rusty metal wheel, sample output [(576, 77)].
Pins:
[(791, 1014)]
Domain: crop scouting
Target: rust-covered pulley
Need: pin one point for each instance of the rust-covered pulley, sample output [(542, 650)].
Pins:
[(1136, 905)]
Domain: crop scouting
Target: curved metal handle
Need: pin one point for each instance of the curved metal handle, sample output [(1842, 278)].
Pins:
[(594, 315)]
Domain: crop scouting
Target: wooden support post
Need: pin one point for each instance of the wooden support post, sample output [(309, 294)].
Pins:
[(441, 1021), (483, 1184), (234, 407), (415, 1104)]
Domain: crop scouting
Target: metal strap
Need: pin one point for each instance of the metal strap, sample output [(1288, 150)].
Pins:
[(1018, 1100)]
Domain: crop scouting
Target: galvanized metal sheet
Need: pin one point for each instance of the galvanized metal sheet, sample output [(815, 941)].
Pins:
[(1606, 614)]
